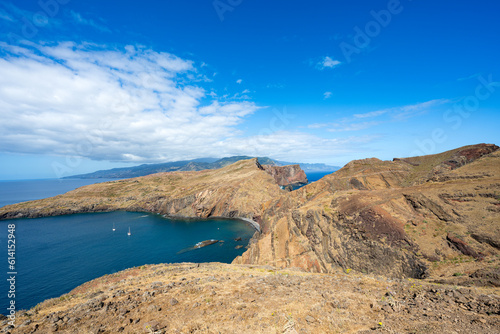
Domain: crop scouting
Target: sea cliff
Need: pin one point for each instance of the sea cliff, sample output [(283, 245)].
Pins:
[(400, 218)]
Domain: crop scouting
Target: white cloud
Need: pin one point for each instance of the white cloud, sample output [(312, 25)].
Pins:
[(77, 17), (133, 105), (413, 110), (295, 146), (118, 105), (371, 114), (239, 81), (405, 112), (327, 95), (395, 114), (328, 62), (352, 126), (317, 125)]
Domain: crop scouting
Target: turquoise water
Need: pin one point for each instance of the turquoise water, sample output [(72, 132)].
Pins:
[(56, 254)]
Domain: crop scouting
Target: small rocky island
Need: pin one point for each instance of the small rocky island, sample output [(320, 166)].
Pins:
[(206, 243)]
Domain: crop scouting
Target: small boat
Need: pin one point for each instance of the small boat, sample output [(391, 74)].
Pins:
[(129, 231), (114, 229)]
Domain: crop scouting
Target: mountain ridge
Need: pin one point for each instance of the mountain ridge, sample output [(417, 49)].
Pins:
[(191, 165), (367, 216)]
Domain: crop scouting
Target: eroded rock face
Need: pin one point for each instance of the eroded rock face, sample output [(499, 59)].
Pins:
[(389, 218), (287, 175), (234, 191), (394, 218)]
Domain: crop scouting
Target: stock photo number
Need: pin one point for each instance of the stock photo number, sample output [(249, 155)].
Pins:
[(11, 274)]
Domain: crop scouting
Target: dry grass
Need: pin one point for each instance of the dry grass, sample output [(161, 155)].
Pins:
[(219, 298)]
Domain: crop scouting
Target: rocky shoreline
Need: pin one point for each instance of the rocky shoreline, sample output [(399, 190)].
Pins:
[(251, 222)]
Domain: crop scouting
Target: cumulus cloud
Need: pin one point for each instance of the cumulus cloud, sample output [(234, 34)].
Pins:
[(328, 62), (239, 81), (128, 104), (327, 95), (134, 104)]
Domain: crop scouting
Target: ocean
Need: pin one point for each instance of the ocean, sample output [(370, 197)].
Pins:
[(315, 176), (56, 254), (27, 190)]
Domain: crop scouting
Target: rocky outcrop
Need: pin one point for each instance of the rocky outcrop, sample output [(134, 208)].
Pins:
[(463, 247), (388, 218), (392, 218), (287, 175), (206, 243), (465, 156)]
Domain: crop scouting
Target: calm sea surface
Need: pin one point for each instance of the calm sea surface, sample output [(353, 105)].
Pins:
[(56, 254), (315, 176), (27, 190)]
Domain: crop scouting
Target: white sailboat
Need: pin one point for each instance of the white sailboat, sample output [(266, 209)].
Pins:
[(114, 229), (129, 231)]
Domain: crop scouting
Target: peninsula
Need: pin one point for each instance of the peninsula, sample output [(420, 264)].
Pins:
[(370, 227)]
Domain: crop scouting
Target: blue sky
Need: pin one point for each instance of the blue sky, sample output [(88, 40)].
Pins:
[(87, 85)]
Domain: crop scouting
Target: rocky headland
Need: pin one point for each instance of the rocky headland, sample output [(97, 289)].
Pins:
[(287, 175), (357, 236)]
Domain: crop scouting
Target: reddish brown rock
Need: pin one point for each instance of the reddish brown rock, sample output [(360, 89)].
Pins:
[(286, 175), (463, 247)]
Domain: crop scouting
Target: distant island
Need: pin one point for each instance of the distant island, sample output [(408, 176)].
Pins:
[(194, 165)]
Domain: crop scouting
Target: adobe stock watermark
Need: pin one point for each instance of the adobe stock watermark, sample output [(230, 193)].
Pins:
[(223, 6), (364, 36), (278, 122), (455, 116), (30, 26), (11, 274)]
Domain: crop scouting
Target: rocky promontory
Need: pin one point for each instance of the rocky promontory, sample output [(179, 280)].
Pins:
[(287, 175), (392, 218), (433, 218), (235, 191)]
